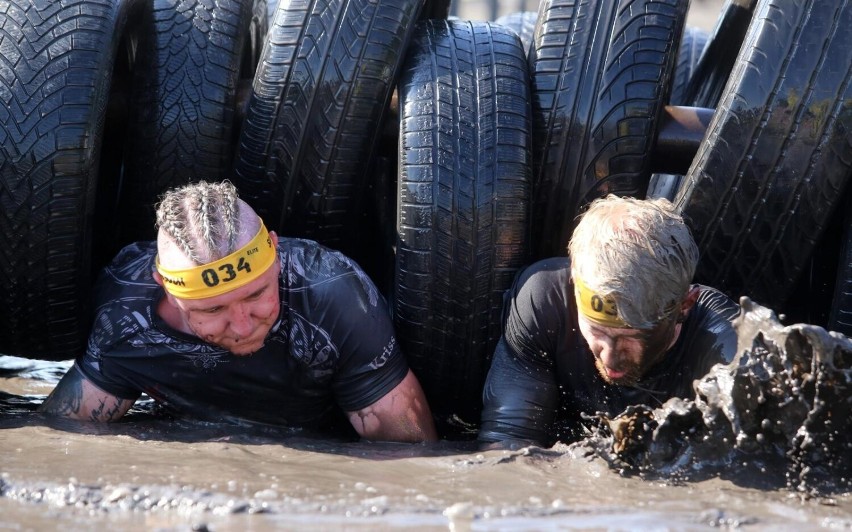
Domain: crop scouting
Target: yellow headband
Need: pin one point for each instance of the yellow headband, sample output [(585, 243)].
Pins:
[(228, 273), (596, 308)]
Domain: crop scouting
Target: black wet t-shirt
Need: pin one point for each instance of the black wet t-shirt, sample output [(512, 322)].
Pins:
[(332, 345), (543, 372)]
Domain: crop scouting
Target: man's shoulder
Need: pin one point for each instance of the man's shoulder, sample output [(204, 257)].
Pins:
[(540, 303), (710, 332), (309, 266), (715, 302), (125, 293), (133, 265), (544, 276)]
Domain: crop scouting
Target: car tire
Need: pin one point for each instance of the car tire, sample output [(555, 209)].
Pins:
[(601, 72), (691, 46), (184, 101), (522, 23), (315, 115), (57, 164), (776, 158), (717, 59), (840, 319), (463, 206)]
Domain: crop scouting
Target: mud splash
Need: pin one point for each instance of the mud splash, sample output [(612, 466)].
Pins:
[(783, 404)]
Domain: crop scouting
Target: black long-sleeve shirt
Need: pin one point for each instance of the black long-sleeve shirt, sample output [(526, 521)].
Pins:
[(543, 374)]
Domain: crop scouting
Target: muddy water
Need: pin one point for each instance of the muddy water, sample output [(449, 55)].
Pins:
[(152, 471)]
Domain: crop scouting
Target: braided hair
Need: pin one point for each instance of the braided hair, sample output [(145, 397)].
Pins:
[(202, 219)]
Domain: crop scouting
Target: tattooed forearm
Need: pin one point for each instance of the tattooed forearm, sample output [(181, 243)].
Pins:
[(108, 409), (67, 398), (77, 398)]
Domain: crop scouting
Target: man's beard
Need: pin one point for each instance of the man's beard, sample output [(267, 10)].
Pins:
[(632, 374)]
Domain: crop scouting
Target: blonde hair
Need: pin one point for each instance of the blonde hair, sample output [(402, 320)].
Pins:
[(206, 221), (639, 252)]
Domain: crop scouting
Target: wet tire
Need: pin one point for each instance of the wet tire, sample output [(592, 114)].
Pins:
[(719, 55), (522, 23), (601, 72), (183, 125), (840, 319), (776, 158), (315, 113), (691, 46), (463, 206), (56, 86)]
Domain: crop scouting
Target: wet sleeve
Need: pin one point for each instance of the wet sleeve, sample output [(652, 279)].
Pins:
[(519, 399), (106, 347), (91, 368), (521, 395), (719, 338), (371, 363)]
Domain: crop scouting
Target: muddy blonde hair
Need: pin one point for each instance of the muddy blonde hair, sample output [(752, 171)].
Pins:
[(639, 252), (206, 221)]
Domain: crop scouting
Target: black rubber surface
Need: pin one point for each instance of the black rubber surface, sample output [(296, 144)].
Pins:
[(57, 64), (320, 92), (183, 106), (714, 67), (691, 46), (840, 319), (522, 23), (463, 205), (777, 155), (435, 9), (601, 72)]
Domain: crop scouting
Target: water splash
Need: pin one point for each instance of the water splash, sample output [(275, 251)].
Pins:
[(784, 401)]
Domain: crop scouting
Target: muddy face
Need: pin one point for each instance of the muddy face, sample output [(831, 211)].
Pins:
[(624, 356)]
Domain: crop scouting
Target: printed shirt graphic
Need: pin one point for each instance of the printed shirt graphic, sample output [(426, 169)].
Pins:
[(332, 346)]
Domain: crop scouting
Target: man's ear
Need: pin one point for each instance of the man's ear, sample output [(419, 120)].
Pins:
[(170, 299), (688, 302), (274, 236)]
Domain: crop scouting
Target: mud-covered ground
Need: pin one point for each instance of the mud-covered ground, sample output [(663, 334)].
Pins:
[(151, 472), (137, 477), (764, 445)]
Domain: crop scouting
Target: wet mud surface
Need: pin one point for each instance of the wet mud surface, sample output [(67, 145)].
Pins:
[(762, 446), (782, 405)]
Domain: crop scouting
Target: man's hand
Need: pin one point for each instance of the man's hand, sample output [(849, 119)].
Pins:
[(401, 415), (75, 397)]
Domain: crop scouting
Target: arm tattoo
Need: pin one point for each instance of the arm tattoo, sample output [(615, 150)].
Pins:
[(107, 410), (67, 398)]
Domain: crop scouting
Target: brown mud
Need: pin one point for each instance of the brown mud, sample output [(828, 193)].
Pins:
[(783, 404), (763, 445)]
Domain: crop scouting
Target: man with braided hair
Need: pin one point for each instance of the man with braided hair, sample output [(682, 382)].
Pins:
[(222, 319), (616, 324)]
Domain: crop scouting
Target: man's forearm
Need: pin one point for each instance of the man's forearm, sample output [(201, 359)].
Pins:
[(517, 406), (77, 398)]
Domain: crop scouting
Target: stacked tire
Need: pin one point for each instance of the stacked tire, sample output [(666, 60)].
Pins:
[(443, 155)]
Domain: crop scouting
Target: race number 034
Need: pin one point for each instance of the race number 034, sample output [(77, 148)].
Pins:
[(211, 278)]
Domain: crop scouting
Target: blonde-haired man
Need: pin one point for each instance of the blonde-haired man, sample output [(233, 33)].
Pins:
[(222, 319), (616, 324)]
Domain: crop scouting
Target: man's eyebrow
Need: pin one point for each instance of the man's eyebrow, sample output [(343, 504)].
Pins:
[(257, 292), (639, 333)]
